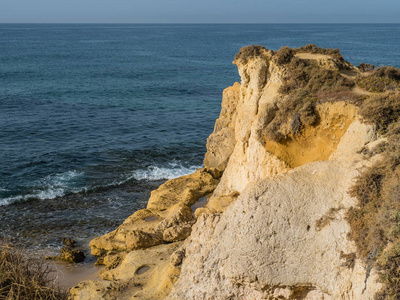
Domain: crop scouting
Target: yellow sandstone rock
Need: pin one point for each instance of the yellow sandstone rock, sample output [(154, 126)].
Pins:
[(167, 218), (274, 224)]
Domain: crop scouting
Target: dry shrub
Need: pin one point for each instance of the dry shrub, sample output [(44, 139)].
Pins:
[(375, 84), (248, 52), (293, 113), (304, 80), (381, 80), (347, 96), (388, 72), (349, 259), (363, 220), (365, 67), (283, 56), (327, 80), (309, 76), (390, 261), (311, 48), (382, 110), (297, 77), (327, 218), (23, 278), (375, 223)]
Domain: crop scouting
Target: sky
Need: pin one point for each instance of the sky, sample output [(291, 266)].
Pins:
[(200, 11)]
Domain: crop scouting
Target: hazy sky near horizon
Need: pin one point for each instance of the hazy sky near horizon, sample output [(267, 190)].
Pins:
[(204, 11)]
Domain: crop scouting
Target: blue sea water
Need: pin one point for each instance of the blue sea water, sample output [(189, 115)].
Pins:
[(94, 116)]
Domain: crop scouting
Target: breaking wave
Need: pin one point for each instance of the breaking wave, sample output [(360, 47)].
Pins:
[(172, 170), (50, 187)]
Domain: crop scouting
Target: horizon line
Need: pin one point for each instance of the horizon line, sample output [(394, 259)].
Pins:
[(208, 23)]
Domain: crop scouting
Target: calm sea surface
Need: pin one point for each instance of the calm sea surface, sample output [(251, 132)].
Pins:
[(92, 117)]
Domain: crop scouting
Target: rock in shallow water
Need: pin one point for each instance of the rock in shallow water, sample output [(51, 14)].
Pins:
[(68, 253)]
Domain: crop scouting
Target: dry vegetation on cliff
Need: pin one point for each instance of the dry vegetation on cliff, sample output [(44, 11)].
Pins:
[(310, 76), (249, 52), (295, 111), (380, 80), (375, 223), (23, 278), (313, 49), (304, 85)]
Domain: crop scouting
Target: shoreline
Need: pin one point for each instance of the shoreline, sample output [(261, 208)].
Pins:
[(66, 275)]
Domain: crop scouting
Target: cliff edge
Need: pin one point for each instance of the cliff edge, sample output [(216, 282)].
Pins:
[(277, 212)]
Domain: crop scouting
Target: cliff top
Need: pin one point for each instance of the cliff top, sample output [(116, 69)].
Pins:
[(311, 76), (281, 190)]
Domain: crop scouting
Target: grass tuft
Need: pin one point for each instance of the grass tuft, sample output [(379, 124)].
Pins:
[(24, 278)]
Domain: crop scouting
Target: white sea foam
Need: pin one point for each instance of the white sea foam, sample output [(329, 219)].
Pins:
[(51, 187), (172, 170)]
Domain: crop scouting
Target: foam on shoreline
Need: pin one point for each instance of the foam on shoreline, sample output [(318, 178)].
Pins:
[(172, 170)]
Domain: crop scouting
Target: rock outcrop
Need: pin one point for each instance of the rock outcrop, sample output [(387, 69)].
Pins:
[(69, 253), (284, 237), (274, 224), (143, 256), (167, 218)]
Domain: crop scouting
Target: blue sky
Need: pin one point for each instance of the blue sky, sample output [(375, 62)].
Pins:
[(203, 11)]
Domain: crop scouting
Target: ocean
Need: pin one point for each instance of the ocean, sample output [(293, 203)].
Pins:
[(95, 116)]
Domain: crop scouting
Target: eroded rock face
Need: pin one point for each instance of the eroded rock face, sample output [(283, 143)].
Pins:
[(270, 242), (167, 218), (137, 255), (143, 274), (221, 142), (246, 108), (274, 225), (246, 154)]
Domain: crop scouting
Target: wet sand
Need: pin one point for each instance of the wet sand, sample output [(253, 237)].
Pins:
[(68, 275)]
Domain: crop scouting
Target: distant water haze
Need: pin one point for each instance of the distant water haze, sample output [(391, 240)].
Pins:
[(92, 117), (206, 11)]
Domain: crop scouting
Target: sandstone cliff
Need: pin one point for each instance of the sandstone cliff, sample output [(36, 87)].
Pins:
[(283, 155)]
